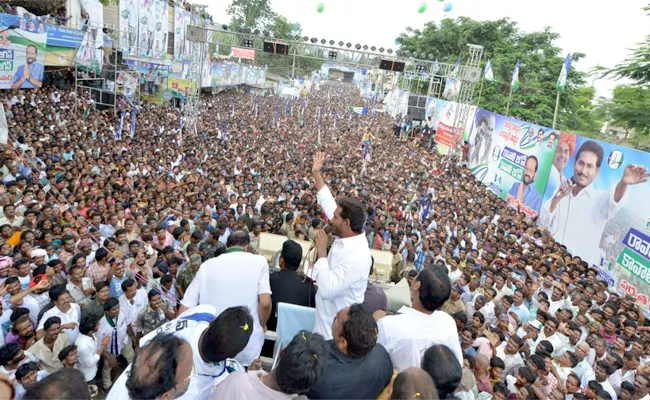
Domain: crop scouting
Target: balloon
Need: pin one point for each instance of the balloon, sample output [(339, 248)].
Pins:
[(397, 42), (422, 8), (321, 7), (296, 27), (447, 7)]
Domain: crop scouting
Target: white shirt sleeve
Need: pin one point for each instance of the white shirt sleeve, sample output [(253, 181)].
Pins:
[(264, 283), (331, 282), (607, 206), (88, 356), (326, 201)]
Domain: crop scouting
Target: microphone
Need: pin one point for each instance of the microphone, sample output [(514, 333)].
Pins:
[(573, 180)]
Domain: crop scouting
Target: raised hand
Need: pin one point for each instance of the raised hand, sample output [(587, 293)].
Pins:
[(319, 159), (634, 174)]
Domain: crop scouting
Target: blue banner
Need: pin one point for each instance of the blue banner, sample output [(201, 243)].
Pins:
[(64, 37)]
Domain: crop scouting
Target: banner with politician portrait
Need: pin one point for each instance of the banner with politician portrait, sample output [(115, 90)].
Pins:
[(22, 52), (596, 204), (512, 157)]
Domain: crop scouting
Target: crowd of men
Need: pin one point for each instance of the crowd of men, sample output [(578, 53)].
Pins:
[(130, 266)]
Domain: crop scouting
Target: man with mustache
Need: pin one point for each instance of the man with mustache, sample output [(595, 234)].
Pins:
[(29, 76), (578, 212), (525, 192), (566, 146)]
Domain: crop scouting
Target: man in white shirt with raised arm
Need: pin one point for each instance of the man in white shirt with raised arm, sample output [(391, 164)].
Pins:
[(341, 275)]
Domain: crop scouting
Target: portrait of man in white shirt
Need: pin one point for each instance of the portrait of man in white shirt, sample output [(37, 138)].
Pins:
[(578, 212)]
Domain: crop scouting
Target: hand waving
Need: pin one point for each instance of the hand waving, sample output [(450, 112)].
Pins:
[(319, 159), (635, 174)]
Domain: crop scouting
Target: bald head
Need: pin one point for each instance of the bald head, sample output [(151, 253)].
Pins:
[(414, 383), (238, 238), (160, 369)]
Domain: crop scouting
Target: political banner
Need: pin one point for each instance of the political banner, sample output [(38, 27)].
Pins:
[(146, 27), (61, 44), (90, 55), (128, 28), (595, 204), (181, 88), (160, 28), (443, 113), (179, 33), (22, 52), (512, 157)]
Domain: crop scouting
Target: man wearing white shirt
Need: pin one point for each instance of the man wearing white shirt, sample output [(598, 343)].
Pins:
[(578, 212), (68, 312), (205, 332), (132, 301), (87, 349), (236, 278), (341, 275), (115, 325), (407, 335), (550, 334)]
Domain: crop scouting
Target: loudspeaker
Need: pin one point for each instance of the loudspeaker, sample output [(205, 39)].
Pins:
[(416, 114), (276, 48), (417, 101), (390, 65)]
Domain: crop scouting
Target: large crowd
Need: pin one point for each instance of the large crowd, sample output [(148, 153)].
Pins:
[(127, 265)]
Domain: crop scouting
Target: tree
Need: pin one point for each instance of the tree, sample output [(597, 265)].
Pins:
[(629, 109), (283, 65), (250, 14), (636, 67), (540, 64)]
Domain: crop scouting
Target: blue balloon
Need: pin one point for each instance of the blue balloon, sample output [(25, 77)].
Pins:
[(397, 42), (447, 7), (296, 26)]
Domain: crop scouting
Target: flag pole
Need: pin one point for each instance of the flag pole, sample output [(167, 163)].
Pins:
[(557, 106), (480, 90), (509, 98)]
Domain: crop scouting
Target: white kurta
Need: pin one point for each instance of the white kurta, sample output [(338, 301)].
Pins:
[(342, 277), (233, 279), (189, 326), (578, 221), (407, 335)]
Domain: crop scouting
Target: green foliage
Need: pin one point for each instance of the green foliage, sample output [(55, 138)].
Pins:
[(629, 109), (252, 14), (637, 66), (540, 64)]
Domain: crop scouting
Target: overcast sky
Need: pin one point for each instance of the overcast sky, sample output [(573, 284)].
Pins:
[(603, 30)]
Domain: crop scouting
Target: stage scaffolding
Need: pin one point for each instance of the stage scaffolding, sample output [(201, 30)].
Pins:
[(421, 70)]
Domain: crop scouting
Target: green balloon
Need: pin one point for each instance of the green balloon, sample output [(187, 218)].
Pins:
[(321, 7), (422, 8)]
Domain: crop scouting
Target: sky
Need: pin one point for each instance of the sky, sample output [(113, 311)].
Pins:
[(604, 31)]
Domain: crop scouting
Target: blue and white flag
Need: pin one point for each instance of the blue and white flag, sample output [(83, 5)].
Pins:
[(561, 80), (454, 72), (133, 116), (118, 133), (489, 75), (436, 66), (515, 78)]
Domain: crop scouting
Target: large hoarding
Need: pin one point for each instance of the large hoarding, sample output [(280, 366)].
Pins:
[(512, 157), (22, 52), (596, 204)]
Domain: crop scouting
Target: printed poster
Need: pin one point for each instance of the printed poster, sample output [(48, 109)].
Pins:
[(22, 52), (604, 218), (513, 158)]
